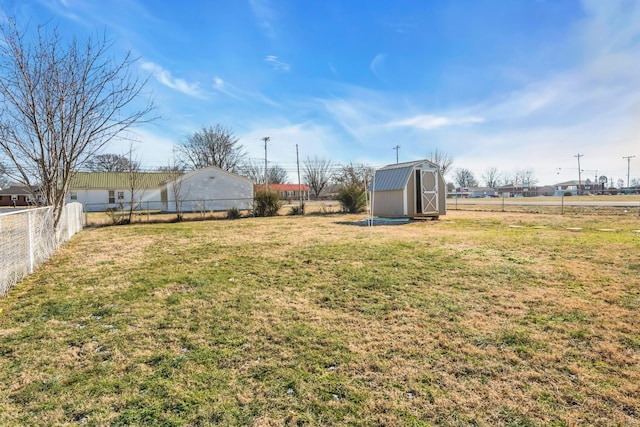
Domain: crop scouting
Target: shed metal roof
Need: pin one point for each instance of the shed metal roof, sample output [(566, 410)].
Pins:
[(394, 177)]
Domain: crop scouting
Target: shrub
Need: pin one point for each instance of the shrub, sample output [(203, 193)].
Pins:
[(117, 217), (352, 199), (297, 210), (233, 213), (568, 193), (266, 203)]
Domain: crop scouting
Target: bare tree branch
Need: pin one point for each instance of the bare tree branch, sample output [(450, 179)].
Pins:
[(464, 178), (212, 146), (255, 172), (60, 103), (316, 173), (491, 177), (442, 159)]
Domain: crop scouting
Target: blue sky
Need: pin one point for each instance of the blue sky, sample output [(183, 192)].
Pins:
[(519, 84)]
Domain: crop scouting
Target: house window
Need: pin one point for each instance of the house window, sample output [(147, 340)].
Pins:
[(120, 195), (14, 197), (112, 196), (73, 195), (290, 193)]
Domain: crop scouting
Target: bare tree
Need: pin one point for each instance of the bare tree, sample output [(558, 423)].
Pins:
[(316, 173), (110, 163), (352, 175), (464, 178), (442, 159), (255, 172), (491, 177), (60, 103), (525, 177), (175, 170), (134, 178), (212, 146)]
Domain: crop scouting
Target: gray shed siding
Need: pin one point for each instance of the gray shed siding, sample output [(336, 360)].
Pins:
[(389, 202)]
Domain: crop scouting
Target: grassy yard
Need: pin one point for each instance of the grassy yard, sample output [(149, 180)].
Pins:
[(477, 319)]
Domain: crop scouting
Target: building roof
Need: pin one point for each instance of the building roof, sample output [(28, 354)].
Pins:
[(207, 170), (19, 190), (117, 180), (395, 176)]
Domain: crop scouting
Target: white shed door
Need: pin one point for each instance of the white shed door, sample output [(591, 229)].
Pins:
[(429, 183)]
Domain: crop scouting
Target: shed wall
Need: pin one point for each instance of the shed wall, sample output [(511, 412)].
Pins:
[(388, 204)]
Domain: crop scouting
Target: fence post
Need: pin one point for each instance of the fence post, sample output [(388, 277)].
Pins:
[(68, 214), (562, 204), (30, 241), (503, 202)]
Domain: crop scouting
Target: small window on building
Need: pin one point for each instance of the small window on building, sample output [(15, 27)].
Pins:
[(14, 197), (73, 195), (112, 196), (120, 195)]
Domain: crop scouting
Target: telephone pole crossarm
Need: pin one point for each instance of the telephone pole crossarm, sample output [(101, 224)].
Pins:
[(397, 148)]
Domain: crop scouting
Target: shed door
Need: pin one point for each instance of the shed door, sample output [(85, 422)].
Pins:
[(429, 189)]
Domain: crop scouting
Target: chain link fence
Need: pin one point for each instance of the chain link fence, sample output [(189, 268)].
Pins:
[(27, 239)]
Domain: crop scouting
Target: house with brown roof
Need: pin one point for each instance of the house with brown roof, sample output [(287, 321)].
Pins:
[(19, 195)]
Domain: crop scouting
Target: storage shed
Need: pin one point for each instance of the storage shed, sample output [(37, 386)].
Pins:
[(410, 189)]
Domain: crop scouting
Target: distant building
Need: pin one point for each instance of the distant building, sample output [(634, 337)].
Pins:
[(20, 195), (207, 189), (518, 190), (99, 191), (478, 192), (575, 188), (287, 191)]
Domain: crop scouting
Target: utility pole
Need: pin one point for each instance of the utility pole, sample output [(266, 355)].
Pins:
[(579, 172), (628, 167), (266, 170), (299, 183), (397, 148)]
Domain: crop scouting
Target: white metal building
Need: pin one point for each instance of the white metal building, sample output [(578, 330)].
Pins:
[(410, 189), (205, 190)]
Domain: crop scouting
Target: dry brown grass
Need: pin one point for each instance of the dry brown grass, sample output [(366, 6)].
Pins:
[(315, 321)]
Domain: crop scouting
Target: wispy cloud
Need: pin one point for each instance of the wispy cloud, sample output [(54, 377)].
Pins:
[(265, 15), (376, 64), (165, 77), (276, 63), (429, 121), (233, 91), (225, 88)]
